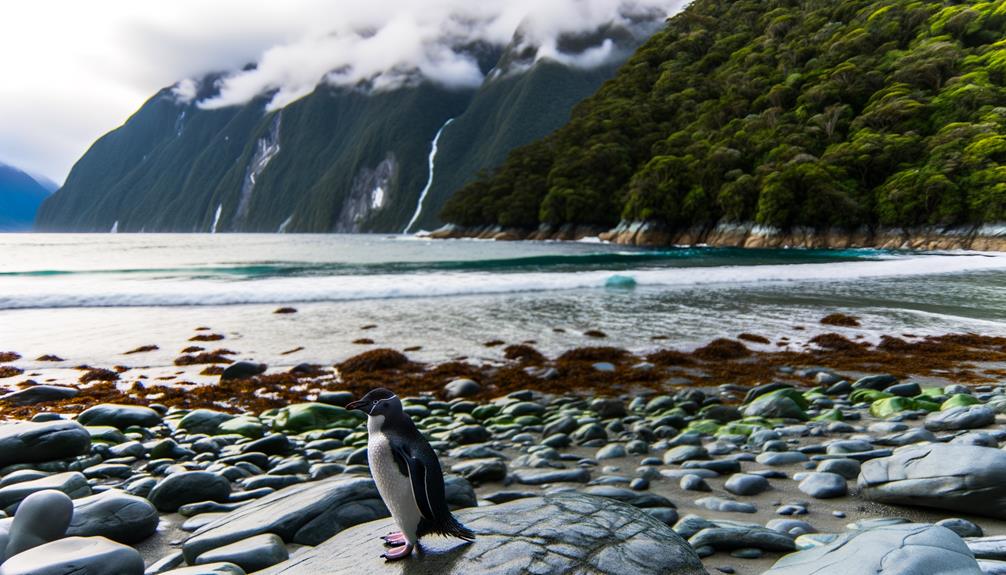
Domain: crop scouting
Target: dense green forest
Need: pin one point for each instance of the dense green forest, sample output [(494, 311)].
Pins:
[(818, 113)]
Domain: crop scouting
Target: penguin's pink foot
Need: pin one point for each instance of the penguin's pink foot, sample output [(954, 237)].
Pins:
[(400, 552), (394, 539)]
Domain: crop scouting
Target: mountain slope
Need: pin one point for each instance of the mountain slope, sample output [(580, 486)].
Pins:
[(817, 114), (20, 197), (342, 159), (520, 102)]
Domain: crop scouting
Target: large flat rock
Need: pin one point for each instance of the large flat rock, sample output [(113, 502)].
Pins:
[(906, 549), (315, 511), (555, 534), (964, 478), (28, 442)]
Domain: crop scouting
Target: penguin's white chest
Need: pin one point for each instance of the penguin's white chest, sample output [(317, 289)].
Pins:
[(395, 488)]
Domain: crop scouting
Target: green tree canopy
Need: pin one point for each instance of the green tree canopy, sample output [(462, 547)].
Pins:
[(817, 113)]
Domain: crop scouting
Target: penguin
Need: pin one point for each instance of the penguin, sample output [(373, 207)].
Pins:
[(408, 475)]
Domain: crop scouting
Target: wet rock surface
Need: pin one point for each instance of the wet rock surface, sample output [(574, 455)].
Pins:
[(908, 549), (563, 533), (961, 478), (742, 475)]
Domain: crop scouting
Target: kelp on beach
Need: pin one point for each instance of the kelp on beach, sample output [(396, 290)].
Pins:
[(968, 358)]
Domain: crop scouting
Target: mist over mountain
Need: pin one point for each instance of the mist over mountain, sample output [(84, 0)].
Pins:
[(348, 147)]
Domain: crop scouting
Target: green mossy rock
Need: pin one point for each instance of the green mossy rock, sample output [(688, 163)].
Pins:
[(959, 400), (707, 426), (205, 421), (783, 403), (245, 425), (302, 417), (105, 434), (884, 408), (868, 395), (830, 415)]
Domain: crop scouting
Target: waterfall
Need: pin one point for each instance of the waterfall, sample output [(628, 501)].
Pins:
[(115, 228), (284, 225), (216, 219), (429, 182)]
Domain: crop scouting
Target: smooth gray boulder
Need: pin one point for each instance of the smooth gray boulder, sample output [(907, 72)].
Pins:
[(208, 569), (823, 485), (114, 514), (900, 438), (39, 394), (775, 405), (714, 503), (541, 477), (307, 513), (29, 442), (204, 421), (252, 554), (76, 556), (992, 547), (178, 489), (746, 484), (964, 478), (71, 483), (966, 417), (121, 416), (730, 538), (243, 370), (41, 518), (555, 534), (461, 388), (481, 470), (906, 549)]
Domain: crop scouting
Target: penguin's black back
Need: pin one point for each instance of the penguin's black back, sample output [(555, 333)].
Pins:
[(417, 459)]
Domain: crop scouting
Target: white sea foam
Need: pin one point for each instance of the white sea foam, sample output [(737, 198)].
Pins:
[(89, 290)]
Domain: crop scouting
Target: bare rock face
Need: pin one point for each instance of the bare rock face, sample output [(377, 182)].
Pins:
[(563, 533)]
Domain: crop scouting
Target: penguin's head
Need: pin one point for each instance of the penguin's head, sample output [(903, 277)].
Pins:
[(378, 402)]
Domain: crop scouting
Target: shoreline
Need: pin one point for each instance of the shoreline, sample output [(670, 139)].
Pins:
[(667, 433), (983, 238), (746, 360)]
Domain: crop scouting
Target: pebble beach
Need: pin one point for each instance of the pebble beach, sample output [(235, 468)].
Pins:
[(724, 459)]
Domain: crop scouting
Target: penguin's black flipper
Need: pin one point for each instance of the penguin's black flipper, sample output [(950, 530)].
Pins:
[(428, 489), (424, 493)]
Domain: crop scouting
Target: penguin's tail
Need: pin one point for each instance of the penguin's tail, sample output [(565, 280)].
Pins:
[(454, 528)]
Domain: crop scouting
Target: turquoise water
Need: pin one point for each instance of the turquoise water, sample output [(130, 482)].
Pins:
[(91, 297)]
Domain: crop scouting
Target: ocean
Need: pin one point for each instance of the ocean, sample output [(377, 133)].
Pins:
[(89, 298)]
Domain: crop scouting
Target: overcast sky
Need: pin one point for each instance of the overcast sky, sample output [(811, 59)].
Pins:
[(74, 70)]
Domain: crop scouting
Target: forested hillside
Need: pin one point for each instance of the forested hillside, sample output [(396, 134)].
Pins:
[(816, 113)]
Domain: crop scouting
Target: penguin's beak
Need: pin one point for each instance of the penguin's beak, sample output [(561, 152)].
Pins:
[(359, 404)]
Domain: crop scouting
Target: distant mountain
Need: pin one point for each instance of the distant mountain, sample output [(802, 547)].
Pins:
[(342, 159), (20, 197)]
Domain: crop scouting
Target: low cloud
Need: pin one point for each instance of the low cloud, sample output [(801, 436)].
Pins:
[(73, 78), (385, 45)]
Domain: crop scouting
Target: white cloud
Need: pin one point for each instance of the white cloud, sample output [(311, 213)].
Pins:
[(185, 90), (74, 70)]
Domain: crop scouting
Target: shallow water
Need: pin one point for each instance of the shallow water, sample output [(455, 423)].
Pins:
[(89, 298)]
